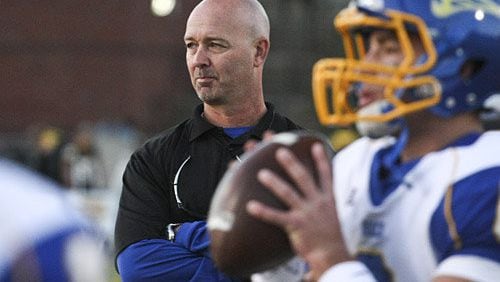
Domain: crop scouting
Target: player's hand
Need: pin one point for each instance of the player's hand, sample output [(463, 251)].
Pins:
[(311, 221), (250, 144)]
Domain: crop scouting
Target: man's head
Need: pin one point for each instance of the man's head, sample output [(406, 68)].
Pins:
[(227, 42), (406, 56)]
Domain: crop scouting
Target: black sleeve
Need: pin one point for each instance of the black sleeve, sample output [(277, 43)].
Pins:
[(144, 202)]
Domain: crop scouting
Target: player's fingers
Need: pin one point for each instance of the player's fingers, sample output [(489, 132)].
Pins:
[(297, 171), (267, 214), (268, 134), (279, 187), (250, 145), (323, 166)]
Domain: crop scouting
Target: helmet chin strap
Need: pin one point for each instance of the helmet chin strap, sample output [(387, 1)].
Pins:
[(392, 157), (374, 129), (396, 128)]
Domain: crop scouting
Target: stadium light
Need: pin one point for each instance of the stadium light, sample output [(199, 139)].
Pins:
[(162, 8)]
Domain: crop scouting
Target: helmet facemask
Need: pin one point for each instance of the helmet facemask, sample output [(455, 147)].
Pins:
[(405, 87)]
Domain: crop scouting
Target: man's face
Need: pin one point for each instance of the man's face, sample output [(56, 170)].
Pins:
[(384, 49), (219, 55)]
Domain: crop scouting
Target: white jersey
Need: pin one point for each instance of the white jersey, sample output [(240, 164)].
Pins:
[(38, 225), (438, 215)]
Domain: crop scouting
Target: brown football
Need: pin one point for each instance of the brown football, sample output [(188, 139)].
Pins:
[(240, 244)]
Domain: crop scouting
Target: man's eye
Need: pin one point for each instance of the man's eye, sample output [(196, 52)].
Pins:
[(190, 45), (216, 45)]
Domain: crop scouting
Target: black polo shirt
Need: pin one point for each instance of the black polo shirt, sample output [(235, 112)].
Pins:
[(173, 176)]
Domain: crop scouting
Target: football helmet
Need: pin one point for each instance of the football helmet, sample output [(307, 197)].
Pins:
[(451, 32)]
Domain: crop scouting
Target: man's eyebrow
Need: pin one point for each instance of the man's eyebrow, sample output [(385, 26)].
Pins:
[(205, 39)]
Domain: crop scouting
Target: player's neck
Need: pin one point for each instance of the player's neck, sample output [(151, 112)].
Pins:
[(435, 133), (244, 114)]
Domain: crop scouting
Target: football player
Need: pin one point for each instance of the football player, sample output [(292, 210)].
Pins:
[(42, 236), (417, 198)]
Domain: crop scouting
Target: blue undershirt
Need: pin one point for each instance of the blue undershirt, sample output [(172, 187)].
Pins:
[(235, 132)]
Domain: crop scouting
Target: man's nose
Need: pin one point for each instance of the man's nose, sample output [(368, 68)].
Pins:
[(371, 58), (201, 58)]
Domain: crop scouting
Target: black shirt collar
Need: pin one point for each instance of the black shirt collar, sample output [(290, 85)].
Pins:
[(201, 125)]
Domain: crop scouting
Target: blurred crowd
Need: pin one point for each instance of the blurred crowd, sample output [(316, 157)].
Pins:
[(88, 161), (85, 158)]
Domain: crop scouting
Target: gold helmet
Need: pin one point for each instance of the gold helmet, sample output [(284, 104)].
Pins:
[(450, 35)]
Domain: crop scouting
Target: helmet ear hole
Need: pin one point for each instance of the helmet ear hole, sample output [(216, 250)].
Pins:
[(471, 67)]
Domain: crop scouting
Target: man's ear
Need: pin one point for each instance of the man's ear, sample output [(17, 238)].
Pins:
[(261, 46)]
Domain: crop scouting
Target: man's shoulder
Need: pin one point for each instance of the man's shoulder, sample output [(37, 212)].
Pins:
[(166, 140), (173, 133), (482, 154), (490, 139), (280, 122)]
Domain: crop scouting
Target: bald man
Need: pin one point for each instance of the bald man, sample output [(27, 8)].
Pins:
[(227, 44), (168, 184)]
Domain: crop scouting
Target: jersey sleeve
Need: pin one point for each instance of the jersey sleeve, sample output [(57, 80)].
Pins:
[(464, 228)]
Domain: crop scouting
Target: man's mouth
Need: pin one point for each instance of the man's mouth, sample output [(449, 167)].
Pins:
[(367, 95), (204, 80)]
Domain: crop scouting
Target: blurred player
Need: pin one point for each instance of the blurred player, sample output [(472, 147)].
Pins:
[(42, 237), (418, 199)]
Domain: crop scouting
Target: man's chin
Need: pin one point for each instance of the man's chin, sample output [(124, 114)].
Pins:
[(211, 99)]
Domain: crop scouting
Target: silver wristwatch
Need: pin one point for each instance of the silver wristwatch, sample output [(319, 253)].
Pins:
[(172, 230)]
